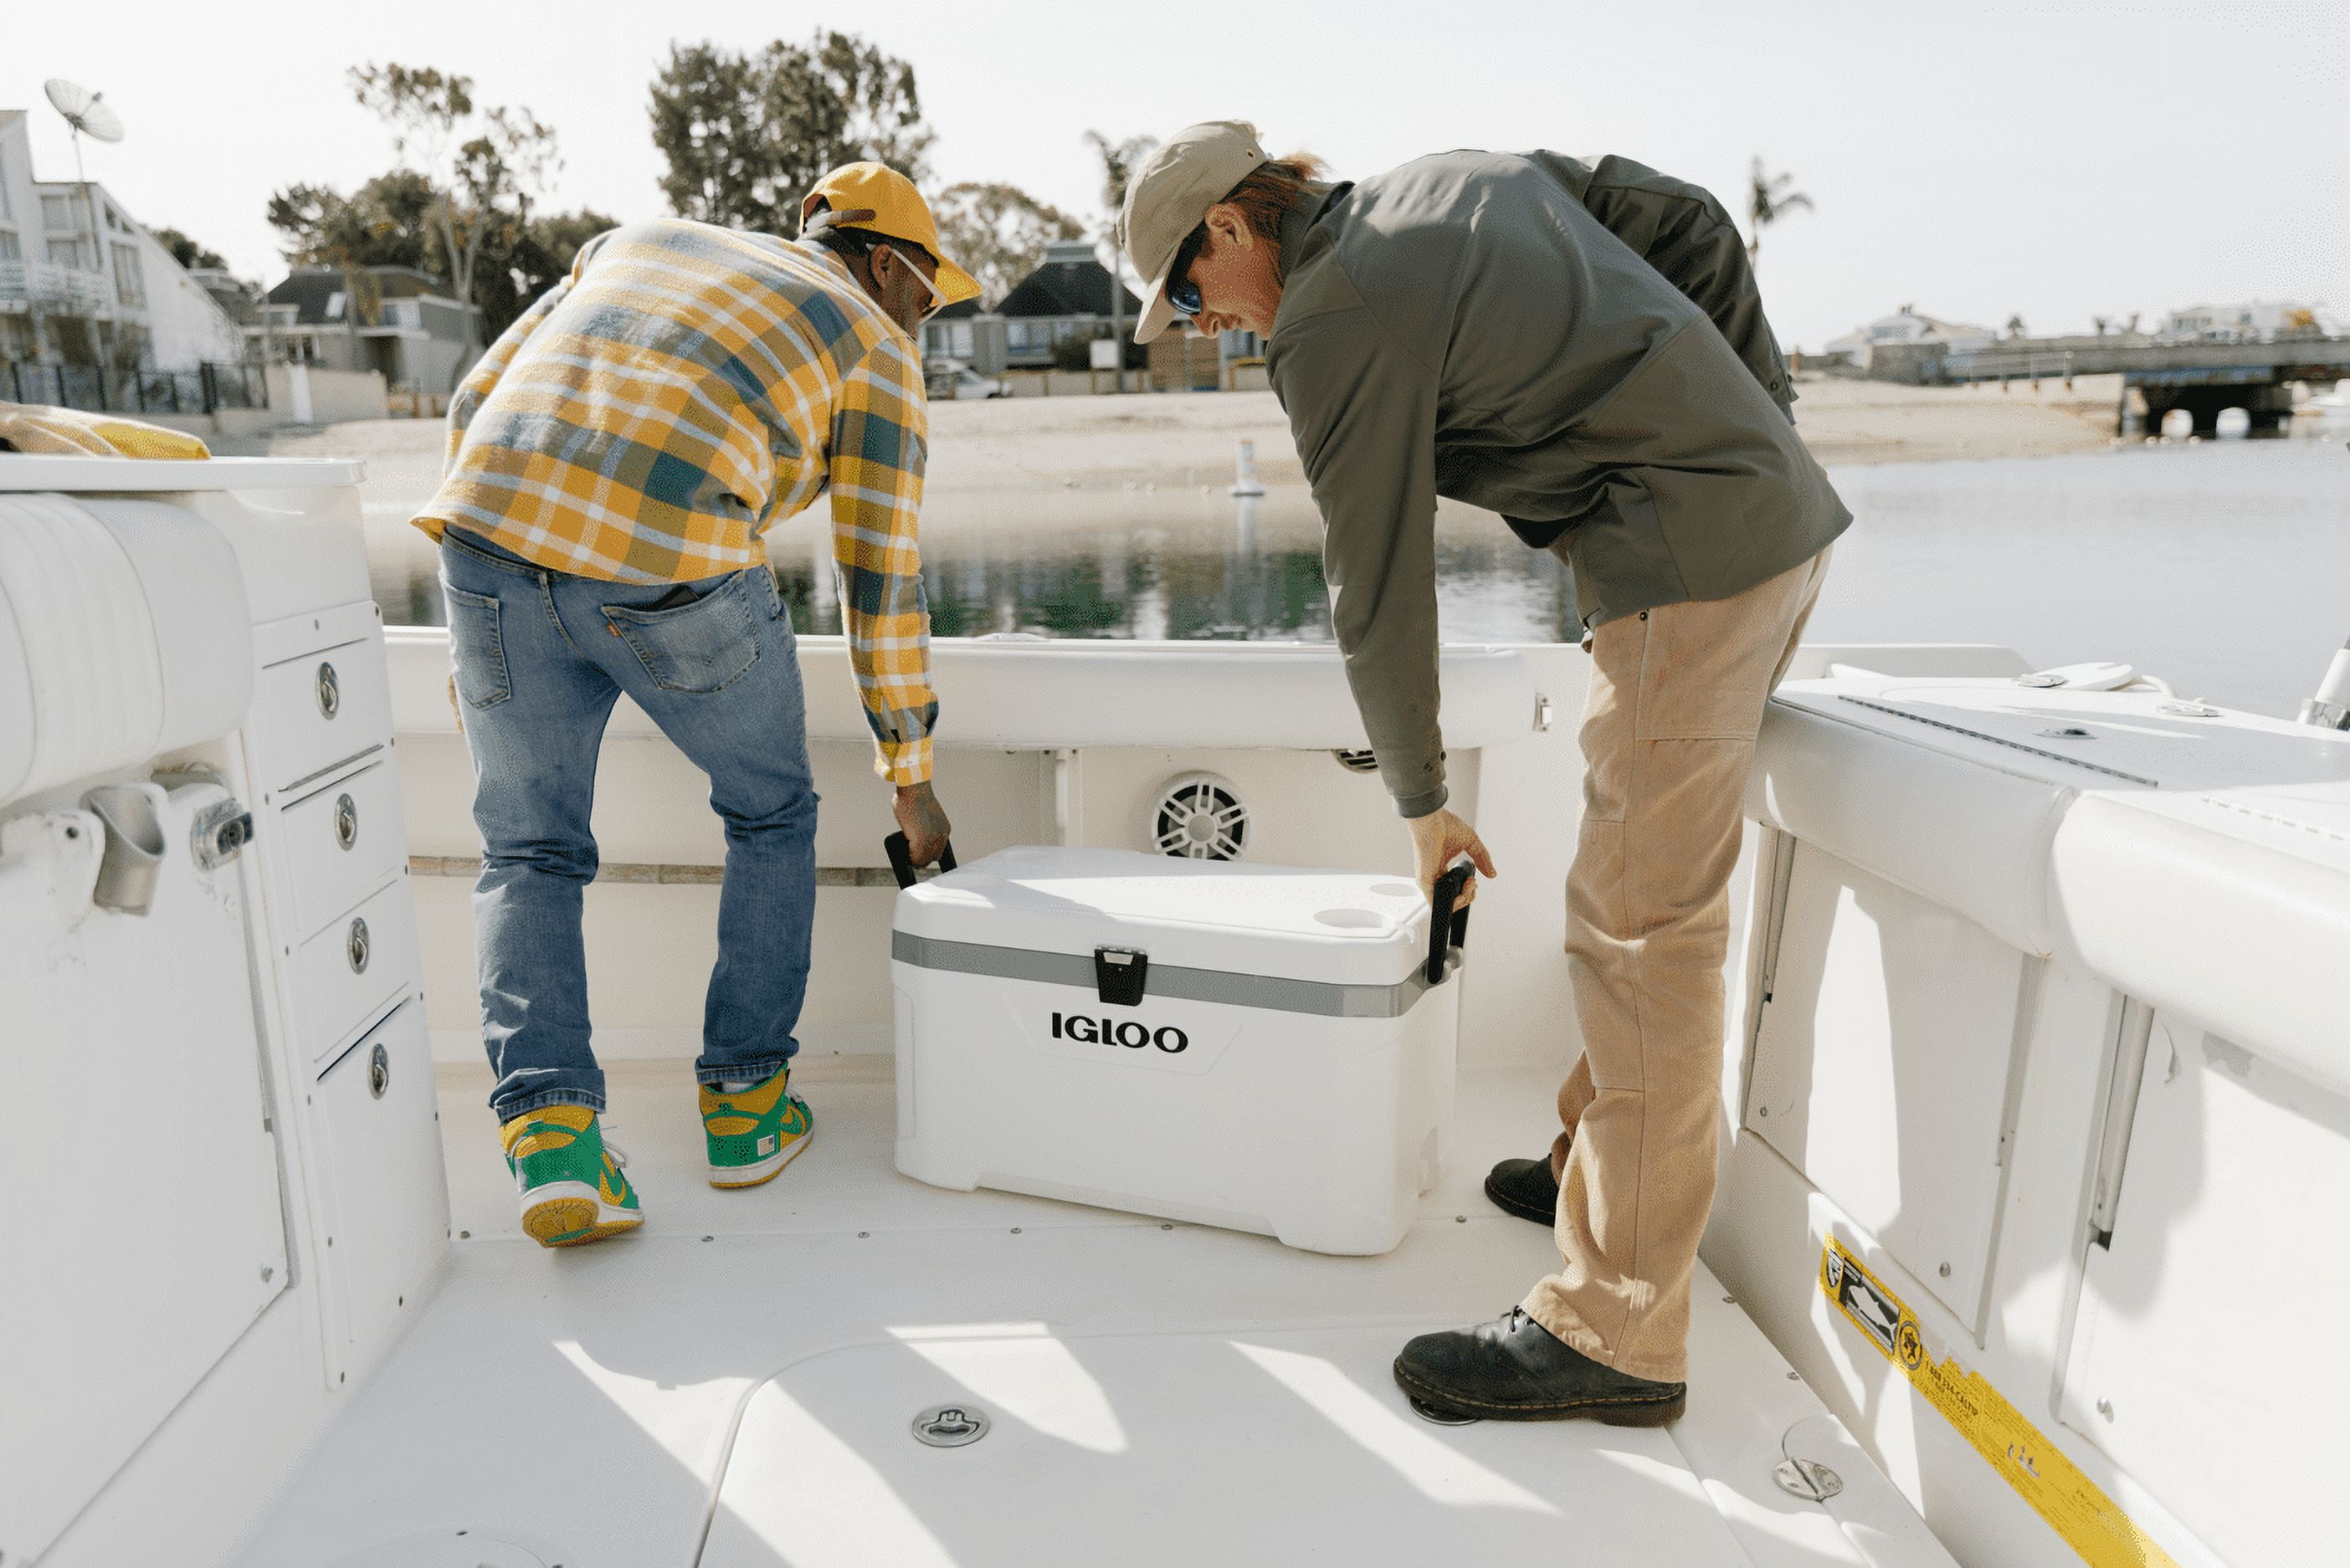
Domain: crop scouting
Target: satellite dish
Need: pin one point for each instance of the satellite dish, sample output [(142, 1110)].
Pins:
[(85, 110)]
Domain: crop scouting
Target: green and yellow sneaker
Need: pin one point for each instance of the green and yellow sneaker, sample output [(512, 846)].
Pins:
[(754, 1133), (572, 1189)]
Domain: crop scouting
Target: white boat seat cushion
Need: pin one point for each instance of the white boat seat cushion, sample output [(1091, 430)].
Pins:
[(1963, 834), (2240, 920)]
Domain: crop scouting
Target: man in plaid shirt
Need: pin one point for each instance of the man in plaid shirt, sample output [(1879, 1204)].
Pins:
[(614, 462)]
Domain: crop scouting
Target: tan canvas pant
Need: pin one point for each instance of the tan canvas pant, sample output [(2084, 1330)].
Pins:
[(1676, 697)]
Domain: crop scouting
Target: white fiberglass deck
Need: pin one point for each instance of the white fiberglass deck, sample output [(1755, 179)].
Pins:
[(734, 1385)]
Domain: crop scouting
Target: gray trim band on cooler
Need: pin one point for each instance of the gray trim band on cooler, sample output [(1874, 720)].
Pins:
[(1267, 993)]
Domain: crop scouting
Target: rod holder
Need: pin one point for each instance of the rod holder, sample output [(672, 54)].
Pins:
[(2330, 709), (134, 845)]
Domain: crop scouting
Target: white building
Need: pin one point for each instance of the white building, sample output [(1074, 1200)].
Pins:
[(2250, 322), (401, 325), (1906, 326), (83, 283)]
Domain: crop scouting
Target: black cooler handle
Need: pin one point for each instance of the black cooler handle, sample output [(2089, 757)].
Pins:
[(1448, 920), (901, 859)]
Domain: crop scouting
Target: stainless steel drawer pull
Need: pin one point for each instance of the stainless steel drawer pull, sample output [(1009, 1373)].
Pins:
[(379, 1071), (346, 821), (330, 690), (355, 947)]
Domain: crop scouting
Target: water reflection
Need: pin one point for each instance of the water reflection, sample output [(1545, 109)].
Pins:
[(1242, 580), (2219, 567)]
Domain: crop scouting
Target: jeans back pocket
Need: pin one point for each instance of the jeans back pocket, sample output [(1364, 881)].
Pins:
[(706, 646), (476, 648)]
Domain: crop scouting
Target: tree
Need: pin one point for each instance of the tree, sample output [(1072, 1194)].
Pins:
[(998, 233), (386, 222), (746, 135), (393, 221), (383, 223), (1769, 200), (483, 183), (188, 252), (1122, 160), (540, 257)]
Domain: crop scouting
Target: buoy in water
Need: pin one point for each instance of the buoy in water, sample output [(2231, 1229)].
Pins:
[(1245, 479)]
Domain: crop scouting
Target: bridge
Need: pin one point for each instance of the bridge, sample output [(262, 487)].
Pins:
[(2203, 378)]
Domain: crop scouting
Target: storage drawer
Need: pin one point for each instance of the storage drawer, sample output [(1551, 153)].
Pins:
[(341, 841), (382, 1197), (352, 968), (321, 709)]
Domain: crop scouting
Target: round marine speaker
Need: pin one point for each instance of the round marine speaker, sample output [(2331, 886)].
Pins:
[(1201, 817)]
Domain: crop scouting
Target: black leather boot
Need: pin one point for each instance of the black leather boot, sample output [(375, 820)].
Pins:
[(1514, 1369), (1524, 1188)]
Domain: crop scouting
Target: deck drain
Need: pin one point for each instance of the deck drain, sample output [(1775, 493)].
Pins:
[(951, 1425), (1802, 1478), (1437, 1418)]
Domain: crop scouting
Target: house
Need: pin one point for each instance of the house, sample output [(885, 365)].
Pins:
[(1067, 297), (964, 332), (394, 321), (1909, 334), (240, 301), (2253, 322), (83, 283)]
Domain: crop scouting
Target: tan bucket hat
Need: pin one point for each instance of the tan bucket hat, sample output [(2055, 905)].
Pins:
[(1195, 169)]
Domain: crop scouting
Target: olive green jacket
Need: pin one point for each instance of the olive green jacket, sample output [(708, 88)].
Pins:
[(1482, 325)]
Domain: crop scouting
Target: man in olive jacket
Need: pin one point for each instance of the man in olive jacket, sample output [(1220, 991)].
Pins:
[(1580, 349)]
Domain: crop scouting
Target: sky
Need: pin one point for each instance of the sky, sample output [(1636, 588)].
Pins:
[(2052, 161)]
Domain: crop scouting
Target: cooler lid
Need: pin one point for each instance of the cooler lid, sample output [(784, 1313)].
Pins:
[(1281, 923)]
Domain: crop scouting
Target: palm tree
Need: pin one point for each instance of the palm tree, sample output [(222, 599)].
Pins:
[(1771, 202), (1121, 161)]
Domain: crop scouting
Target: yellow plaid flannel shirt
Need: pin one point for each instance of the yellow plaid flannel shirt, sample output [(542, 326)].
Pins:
[(687, 385)]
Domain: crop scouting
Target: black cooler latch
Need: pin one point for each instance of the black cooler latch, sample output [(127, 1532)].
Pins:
[(1117, 975)]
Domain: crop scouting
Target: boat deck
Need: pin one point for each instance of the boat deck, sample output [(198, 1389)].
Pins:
[(734, 1384)]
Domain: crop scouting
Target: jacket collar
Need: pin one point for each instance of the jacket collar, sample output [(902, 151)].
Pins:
[(1297, 222)]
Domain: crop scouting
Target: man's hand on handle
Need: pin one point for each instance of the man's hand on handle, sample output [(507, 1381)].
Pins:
[(923, 820), (1439, 838)]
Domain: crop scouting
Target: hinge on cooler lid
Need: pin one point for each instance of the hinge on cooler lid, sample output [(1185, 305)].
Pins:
[(1117, 975)]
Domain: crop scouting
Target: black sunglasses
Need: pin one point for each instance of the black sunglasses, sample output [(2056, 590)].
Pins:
[(1181, 292)]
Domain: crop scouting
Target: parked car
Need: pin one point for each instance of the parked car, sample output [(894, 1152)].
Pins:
[(954, 379)]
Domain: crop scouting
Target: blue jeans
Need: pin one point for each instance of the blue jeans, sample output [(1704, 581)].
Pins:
[(541, 657)]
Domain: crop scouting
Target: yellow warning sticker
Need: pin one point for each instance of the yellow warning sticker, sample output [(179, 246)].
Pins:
[(2089, 1521)]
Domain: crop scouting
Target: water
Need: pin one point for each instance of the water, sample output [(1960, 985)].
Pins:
[(2222, 567)]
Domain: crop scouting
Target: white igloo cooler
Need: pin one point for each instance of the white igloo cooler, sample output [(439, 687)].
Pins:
[(1256, 1047)]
